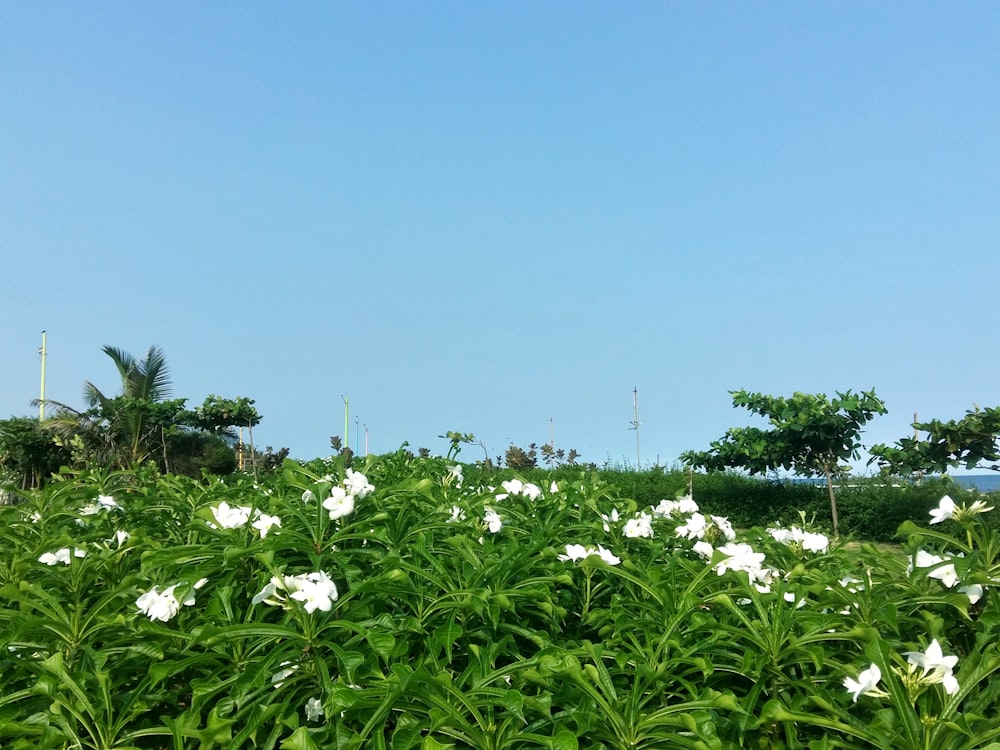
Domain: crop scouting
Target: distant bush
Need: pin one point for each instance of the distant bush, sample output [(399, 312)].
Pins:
[(870, 508)]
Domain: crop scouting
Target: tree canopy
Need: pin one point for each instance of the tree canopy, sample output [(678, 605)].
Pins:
[(809, 435)]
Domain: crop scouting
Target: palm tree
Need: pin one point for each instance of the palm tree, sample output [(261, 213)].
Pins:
[(129, 428)]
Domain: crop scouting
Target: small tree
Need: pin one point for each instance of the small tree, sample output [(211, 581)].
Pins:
[(28, 453), (966, 442), (810, 435)]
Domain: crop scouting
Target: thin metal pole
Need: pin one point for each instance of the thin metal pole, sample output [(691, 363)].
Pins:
[(366, 440), (552, 443), (347, 424), (635, 425), (357, 435), (41, 400)]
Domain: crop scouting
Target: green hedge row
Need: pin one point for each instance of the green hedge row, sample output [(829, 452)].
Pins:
[(869, 509)]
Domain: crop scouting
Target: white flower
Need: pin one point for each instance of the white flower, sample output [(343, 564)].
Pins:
[(848, 583), (944, 511), (35, 516), (681, 506), (694, 528), (525, 489), (704, 549), (104, 503), (279, 677), (308, 496), (119, 538), (866, 684), (61, 556), (457, 514), (815, 542), (610, 519), (973, 591), (264, 523), (579, 552), (492, 520), (269, 594), (231, 517), (944, 573), (723, 525), (784, 536), (340, 503), (742, 557), (553, 488), (161, 605), (609, 557), (357, 484), (936, 666), (513, 486), (806, 540), (575, 552), (314, 590), (948, 509), (640, 526), (314, 709), (792, 599), (455, 475)]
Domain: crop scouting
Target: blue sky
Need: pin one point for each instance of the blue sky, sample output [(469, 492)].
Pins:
[(483, 216)]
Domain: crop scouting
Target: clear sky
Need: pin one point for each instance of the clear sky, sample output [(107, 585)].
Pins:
[(481, 216)]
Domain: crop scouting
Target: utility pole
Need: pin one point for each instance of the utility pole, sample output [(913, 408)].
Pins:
[(366, 440), (347, 424), (552, 444), (41, 400), (635, 425), (357, 435)]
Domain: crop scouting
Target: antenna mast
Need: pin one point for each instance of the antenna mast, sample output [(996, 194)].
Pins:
[(635, 424)]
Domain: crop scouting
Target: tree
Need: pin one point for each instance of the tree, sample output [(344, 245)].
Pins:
[(810, 435), (966, 442), (28, 454), (127, 429), (142, 424)]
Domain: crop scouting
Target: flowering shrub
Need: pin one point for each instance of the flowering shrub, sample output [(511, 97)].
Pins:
[(394, 605)]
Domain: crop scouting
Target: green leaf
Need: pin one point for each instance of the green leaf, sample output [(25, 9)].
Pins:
[(299, 740)]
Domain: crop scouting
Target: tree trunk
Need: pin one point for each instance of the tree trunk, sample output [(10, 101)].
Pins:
[(833, 500)]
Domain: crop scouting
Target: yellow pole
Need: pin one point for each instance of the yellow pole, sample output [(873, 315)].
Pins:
[(41, 400), (347, 439)]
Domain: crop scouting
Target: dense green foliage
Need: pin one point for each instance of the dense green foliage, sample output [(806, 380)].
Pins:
[(809, 435), (871, 508), (967, 442), (28, 453), (138, 426), (412, 608)]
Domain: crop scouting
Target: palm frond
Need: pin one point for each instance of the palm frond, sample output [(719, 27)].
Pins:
[(155, 375)]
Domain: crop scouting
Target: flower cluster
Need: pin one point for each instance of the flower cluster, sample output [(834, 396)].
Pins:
[(237, 516), (924, 668), (945, 572), (576, 552), (936, 667), (492, 520), (947, 509), (314, 590), (103, 504), (640, 526), (799, 539), (63, 556), (163, 605), (517, 487), (340, 502)]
